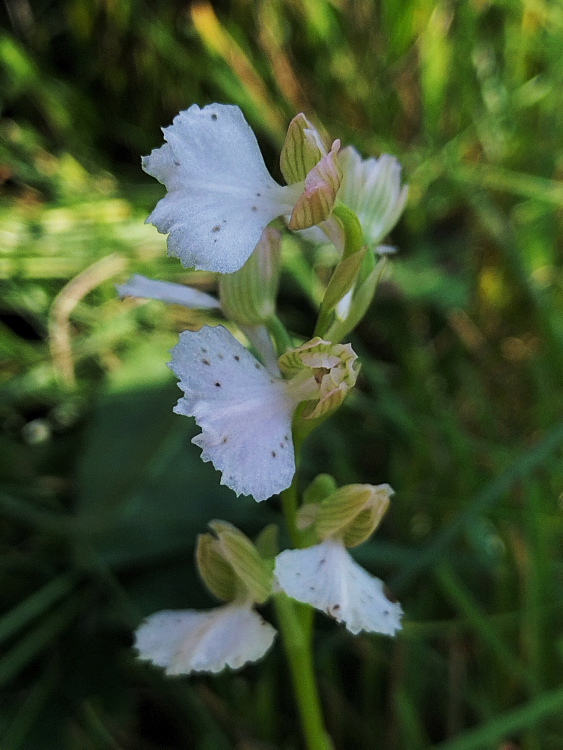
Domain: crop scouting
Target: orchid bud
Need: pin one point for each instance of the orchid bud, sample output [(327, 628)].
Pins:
[(353, 512)]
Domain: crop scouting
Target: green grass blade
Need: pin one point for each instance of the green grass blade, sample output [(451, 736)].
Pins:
[(484, 737), (485, 499), (36, 604)]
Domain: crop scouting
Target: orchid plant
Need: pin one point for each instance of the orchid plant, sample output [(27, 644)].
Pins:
[(256, 401)]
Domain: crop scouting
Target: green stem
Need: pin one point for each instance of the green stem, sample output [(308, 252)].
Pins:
[(279, 333), (297, 644), (290, 504), (296, 627)]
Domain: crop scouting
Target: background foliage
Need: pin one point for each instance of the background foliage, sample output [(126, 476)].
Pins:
[(459, 405)]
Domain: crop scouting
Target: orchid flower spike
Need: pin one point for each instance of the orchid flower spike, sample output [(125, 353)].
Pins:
[(327, 577), (220, 194), (246, 412)]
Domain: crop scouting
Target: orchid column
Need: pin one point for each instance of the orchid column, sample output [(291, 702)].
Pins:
[(256, 404)]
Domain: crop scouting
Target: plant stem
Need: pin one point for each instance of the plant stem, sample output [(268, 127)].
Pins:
[(290, 503), (279, 333), (296, 627), (297, 642)]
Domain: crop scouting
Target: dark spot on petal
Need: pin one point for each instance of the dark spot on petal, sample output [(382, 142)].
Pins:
[(218, 385), (205, 362), (258, 195), (281, 445), (297, 573), (224, 221), (177, 163), (255, 208), (203, 351), (221, 356), (322, 562), (225, 439), (286, 437), (257, 365), (213, 116), (216, 228), (336, 608), (274, 454), (237, 357), (385, 611)]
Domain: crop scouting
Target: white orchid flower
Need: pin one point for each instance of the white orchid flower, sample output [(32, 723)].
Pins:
[(329, 579), (220, 195), (372, 189), (185, 641), (245, 411)]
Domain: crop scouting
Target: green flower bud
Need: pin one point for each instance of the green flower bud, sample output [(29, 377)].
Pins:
[(229, 562), (353, 512), (250, 568), (321, 487), (304, 158), (321, 186), (217, 574), (302, 150)]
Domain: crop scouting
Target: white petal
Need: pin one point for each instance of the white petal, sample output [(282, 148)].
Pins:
[(372, 188), (220, 194), (326, 577), (184, 641), (244, 411), (166, 291)]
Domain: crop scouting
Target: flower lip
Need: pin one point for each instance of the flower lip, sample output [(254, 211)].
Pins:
[(220, 194), (187, 641), (245, 411), (329, 579)]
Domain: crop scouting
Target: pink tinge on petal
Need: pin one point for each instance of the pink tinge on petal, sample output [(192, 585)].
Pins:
[(321, 186)]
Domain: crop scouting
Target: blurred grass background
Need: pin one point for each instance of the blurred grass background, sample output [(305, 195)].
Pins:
[(459, 407)]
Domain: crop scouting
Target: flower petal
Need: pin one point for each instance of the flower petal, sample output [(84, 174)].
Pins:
[(244, 411), (166, 291), (372, 188), (326, 577), (185, 641), (220, 194)]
